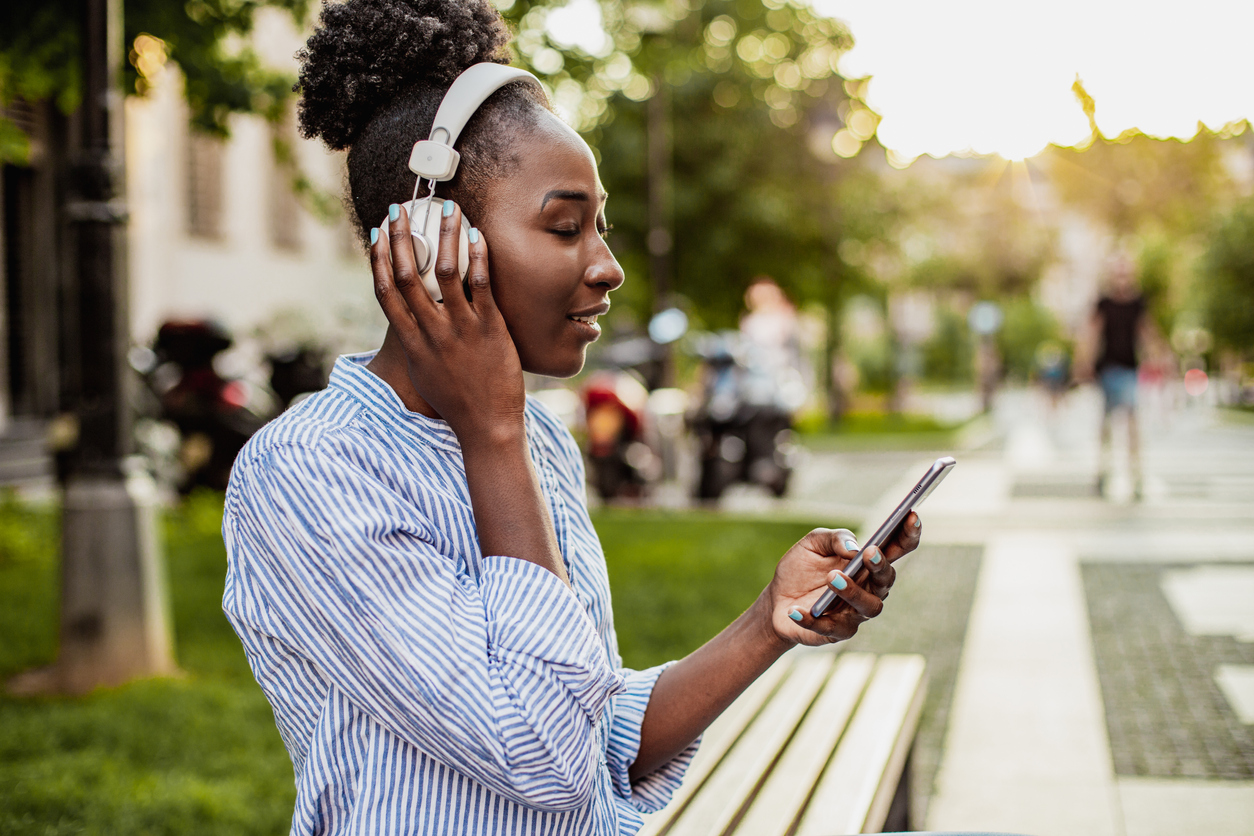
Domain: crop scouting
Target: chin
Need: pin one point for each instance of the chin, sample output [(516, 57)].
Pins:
[(553, 365)]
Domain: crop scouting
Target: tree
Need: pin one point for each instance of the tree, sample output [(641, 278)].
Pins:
[(39, 58), (1228, 271)]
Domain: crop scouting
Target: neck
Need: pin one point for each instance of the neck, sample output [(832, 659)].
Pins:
[(392, 367)]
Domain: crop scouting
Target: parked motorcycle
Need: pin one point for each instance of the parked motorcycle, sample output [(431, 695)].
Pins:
[(212, 414), (634, 423), (743, 422), (296, 373), (621, 461)]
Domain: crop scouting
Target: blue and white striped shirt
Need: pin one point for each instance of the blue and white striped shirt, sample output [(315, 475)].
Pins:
[(420, 686)]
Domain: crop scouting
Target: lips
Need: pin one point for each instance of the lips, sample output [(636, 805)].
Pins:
[(587, 319)]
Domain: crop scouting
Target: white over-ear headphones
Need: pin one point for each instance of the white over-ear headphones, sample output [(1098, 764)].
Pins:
[(435, 160)]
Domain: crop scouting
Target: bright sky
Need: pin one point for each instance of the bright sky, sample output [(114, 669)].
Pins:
[(995, 76)]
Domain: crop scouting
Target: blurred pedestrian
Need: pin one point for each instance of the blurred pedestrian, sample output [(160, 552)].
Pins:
[(1117, 331), (771, 325)]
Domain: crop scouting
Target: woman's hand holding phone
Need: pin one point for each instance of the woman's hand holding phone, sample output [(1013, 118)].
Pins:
[(814, 564), (461, 358)]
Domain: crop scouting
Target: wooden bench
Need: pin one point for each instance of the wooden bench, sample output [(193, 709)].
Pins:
[(817, 746)]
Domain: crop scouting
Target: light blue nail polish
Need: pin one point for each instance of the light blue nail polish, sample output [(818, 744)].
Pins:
[(851, 546), (917, 522), (448, 208), (794, 615), (374, 236), (839, 582), (473, 235), (394, 211), (875, 558)]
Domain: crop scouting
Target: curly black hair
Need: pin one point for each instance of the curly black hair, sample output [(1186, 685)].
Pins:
[(371, 79)]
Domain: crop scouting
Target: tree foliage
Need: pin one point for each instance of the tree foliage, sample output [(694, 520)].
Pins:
[(752, 102), (1228, 270), (39, 57)]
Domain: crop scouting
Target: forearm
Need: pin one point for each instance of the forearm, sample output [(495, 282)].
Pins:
[(690, 694), (511, 516)]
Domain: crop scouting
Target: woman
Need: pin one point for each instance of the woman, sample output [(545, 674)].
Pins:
[(412, 570)]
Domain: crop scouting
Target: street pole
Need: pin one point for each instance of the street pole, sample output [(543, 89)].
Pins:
[(114, 620), (660, 240)]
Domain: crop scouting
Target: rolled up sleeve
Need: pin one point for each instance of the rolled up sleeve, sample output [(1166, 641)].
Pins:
[(499, 673), (652, 792)]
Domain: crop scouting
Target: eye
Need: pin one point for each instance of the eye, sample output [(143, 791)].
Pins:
[(605, 230), (566, 230)]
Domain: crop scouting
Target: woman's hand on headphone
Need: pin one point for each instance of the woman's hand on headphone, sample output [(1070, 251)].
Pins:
[(462, 360)]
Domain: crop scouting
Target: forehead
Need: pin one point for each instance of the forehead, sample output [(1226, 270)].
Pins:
[(550, 156)]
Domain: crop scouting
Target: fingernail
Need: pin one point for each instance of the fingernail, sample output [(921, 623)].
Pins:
[(851, 546), (394, 211), (374, 235), (917, 522), (473, 235), (448, 208), (875, 558), (794, 614), (839, 582)]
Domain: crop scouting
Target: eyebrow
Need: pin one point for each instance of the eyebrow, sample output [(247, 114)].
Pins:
[(567, 194)]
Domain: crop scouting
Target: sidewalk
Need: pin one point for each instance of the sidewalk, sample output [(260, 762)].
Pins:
[(1107, 677), (1091, 659)]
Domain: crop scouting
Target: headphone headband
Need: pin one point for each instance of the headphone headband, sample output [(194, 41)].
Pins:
[(434, 158)]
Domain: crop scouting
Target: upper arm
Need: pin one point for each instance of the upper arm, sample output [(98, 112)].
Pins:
[(481, 662)]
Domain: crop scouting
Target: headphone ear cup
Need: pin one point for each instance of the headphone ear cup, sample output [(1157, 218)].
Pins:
[(429, 241)]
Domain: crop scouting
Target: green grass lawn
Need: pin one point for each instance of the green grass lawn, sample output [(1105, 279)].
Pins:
[(873, 430), (200, 754)]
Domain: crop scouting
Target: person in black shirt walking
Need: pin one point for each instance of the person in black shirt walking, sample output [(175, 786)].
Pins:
[(1117, 330)]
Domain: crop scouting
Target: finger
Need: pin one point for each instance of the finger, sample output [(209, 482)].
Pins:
[(478, 278), (882, 574), (832, 542), (447, 257), (390, 300), (906, 538), (862, 601), (829, 629), (404, 266)]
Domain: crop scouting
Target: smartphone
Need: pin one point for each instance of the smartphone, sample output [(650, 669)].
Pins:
[(937, 472)]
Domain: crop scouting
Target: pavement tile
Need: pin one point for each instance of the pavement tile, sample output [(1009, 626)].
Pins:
[(1166, 714)]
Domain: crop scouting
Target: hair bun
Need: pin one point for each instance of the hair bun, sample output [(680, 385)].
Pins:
[(363, 53)]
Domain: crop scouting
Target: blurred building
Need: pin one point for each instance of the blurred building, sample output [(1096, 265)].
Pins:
[(216, 231)]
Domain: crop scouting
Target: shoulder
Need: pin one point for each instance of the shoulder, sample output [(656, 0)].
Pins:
[(306, 426), (319, 439)]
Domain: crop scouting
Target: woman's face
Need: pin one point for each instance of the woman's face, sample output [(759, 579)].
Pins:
[(552, 271)]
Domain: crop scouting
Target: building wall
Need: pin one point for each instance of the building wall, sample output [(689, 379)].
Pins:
[(313, 278)]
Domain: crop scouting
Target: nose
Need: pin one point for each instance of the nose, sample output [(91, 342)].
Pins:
[(604, 272)]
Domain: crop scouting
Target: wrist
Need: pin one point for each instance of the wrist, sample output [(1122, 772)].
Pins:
[(502, 437), (762, 614)]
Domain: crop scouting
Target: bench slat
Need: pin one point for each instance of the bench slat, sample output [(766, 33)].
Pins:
[(718, 738), (733, 782), (854, 793), (781, 799)]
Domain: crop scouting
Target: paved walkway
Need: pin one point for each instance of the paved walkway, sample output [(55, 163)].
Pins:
[(1106, 681), (1053, 731)]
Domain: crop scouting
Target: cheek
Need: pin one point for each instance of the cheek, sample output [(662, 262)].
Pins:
[(529, 281)]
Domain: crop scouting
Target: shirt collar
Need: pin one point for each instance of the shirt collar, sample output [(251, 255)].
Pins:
[(351, 377)]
